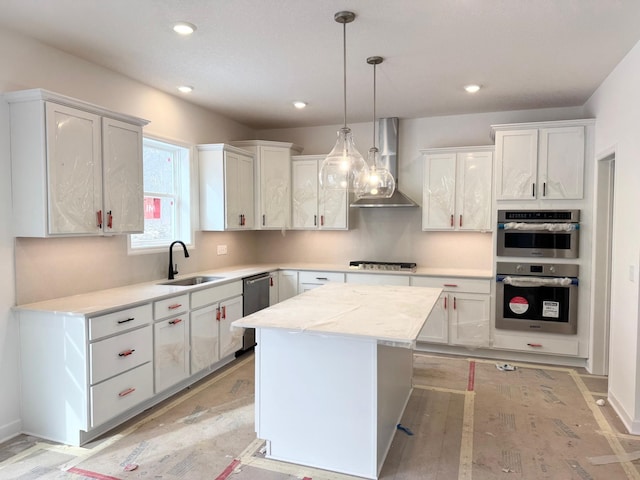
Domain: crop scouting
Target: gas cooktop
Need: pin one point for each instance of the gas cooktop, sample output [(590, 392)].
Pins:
[(390, 266)]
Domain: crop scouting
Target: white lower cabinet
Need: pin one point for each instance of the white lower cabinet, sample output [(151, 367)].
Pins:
[(212, 338), (171, 351), (309, 280), (461, 315), (287, 284), (273, 288), (537, 343)]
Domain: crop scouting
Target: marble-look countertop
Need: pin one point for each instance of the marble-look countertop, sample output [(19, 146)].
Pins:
[(384, 313), (106, 301)]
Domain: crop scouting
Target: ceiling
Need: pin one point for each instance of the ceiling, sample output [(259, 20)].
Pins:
[(250, 59)]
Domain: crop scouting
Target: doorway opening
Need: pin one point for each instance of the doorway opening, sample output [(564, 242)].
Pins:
[(603, 224)]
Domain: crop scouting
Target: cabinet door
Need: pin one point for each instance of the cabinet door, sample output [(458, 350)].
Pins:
[(516, 164), (436, 328), (469, 319), (233, 202), (245, 191), (273, 288), (561, 163), (473, 191), (122, 177), (275, 187), (305, 194), (333, 209), (439, 187), (287, 284), (204, 338), (74, 170), (230, 338), (171, 355)]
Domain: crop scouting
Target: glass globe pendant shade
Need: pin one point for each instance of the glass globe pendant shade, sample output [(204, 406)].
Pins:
[(343, 165), (374, 181)]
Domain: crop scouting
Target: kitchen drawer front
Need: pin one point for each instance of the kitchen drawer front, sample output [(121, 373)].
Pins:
[(537, 344), (119, 394), (170, 306), (215, 294), (119, 321), (320, 277), (449, 284), (115, 355)]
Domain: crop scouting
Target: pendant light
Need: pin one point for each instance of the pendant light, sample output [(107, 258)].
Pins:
[(375, 181), (344, 164)]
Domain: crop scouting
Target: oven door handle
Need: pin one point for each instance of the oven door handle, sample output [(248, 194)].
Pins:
[(537, 281)]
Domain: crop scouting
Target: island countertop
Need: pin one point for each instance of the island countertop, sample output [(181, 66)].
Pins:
[(386, 313)]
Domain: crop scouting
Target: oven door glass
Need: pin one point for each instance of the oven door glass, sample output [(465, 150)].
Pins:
[(550, 309), (553, 241), (550, 304)]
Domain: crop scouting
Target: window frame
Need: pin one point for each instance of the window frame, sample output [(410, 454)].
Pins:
[(188, 209)]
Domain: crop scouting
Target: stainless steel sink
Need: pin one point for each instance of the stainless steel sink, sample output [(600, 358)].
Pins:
[(186, 282)]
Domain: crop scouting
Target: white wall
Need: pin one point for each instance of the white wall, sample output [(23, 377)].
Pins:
[(615, 105)]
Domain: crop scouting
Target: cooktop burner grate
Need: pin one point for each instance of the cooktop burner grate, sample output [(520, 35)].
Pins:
[(390, 266)]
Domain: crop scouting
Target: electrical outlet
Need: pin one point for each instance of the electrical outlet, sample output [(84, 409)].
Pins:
[(222, 249)]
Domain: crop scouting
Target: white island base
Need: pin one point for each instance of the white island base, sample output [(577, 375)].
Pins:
[(334, 373), (330, 402)]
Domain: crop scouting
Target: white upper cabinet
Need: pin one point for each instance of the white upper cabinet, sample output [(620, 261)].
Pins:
[(123, 178), (543, 161), (457, 188), (76, 168), (312, 207), (272, 181), (226, 188)]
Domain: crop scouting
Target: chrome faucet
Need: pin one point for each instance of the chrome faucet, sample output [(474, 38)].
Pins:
[(173, 270)]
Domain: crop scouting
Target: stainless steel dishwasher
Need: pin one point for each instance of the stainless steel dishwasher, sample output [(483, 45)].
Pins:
[(255, 296)]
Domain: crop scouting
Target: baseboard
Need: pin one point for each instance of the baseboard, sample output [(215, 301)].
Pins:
[(633, 426), (10, 430)]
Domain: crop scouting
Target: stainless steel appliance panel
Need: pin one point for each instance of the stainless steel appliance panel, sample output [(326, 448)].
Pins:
[(538, 233), (537, 297), (255, 297)]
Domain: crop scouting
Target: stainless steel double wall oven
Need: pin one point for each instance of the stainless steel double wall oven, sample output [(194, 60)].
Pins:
[(533, 292)]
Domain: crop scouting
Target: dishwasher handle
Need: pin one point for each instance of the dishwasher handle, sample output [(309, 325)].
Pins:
[(256, 280)]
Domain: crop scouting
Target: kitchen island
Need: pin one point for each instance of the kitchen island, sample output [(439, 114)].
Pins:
[(334, 373)]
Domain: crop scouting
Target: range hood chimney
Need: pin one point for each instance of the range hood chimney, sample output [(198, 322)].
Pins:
[(388, 145)]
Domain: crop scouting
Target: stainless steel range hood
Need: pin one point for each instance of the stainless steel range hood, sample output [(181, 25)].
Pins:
[(388, 146)]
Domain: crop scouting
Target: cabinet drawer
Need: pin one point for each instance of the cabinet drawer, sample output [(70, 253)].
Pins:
[(452, 284), (320, 277), (170, 306), (117, 354), (537, 344), (215, 294), (119, 321), (117, 395)]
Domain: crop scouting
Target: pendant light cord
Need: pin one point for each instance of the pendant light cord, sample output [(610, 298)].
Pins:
[(374, 107), (344, 70)]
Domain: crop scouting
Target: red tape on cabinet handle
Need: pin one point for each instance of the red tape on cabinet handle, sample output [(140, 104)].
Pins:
[(174, 306), (126, 353), (218, 313), (109, 219), (99, 218), (126, 392), (174, 322), (535, 345)]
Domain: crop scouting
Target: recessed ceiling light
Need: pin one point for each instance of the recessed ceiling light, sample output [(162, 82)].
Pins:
[(185, 88), (184, 28), (472, 88), (299, 104)]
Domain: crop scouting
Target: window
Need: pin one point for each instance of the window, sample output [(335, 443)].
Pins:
[(167, 202)]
